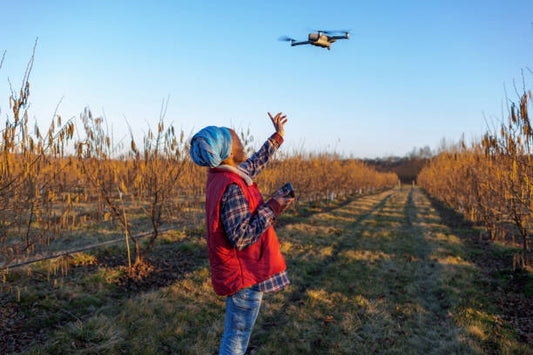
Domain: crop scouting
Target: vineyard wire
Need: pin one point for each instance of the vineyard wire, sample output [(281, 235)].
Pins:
[(78, 250)]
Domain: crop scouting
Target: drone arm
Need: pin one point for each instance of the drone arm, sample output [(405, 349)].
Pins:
[(299, 43), (337, 37)]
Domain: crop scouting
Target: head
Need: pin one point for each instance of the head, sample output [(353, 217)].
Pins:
[(238, 155), (213, 146)]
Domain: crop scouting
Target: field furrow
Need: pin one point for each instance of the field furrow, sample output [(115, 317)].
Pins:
[(377, 274), (380, 274)]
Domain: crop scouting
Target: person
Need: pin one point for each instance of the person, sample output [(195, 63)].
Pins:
[(244, 253)]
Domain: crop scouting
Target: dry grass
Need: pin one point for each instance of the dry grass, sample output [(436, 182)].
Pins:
[(379, 274)]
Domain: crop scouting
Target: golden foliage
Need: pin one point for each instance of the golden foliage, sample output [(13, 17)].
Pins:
[(49, 184), (491, 181)]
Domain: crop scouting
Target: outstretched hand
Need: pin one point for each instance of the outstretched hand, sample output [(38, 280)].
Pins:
[(279, 121)]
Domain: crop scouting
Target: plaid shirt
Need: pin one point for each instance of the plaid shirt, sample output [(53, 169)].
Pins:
[(241, 227)]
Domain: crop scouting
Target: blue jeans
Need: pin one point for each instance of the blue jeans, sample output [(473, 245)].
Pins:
[(242, 309)]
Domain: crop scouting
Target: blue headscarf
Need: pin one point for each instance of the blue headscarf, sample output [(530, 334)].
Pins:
[(211, 146)]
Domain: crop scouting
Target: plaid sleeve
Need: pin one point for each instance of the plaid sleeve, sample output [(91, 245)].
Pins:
[(274, 283), (257, 162), (241, 227)]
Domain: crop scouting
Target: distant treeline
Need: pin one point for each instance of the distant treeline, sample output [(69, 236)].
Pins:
[(407, 168)]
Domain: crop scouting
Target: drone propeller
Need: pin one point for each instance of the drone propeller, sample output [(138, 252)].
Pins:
[(333, 31), (286, 39)]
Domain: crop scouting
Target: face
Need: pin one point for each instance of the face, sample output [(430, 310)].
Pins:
[(237, 149)]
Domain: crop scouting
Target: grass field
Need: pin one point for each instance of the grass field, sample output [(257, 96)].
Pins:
[(386, 273)]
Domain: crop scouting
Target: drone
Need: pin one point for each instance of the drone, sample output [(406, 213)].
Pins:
[(319, 39)]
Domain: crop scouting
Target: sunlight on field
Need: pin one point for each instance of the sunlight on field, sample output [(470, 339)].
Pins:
[(364, 255), (477, 332), (309, 229), (198, 209), (324, 297), (448, 238), (373, 234), (333, 218), (454, 260), (80, 259), (326, 251), (285, 246), (482, 325), (358, 286), (361, 301)]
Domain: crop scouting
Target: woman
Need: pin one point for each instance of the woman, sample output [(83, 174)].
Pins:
[(244, 252)]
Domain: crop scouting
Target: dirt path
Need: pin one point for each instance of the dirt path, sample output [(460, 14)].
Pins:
[(381, 274)]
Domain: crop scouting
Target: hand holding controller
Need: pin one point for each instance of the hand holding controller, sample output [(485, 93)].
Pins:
[(282, 198), (287, 190)]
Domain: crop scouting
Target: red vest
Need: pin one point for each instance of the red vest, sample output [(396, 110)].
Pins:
[(231, 269)]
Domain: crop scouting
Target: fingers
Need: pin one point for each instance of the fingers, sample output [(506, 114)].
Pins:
[(289, 200), (282, 198), (278, 117), (286, 202), (278, 121)]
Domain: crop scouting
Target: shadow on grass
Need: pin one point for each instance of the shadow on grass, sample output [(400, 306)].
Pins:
[(370, 294), (511, 290), (86, 290), (306, 210), (384, 287)]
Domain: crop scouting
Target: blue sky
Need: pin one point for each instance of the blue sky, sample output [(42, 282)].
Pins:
[(413, 72)]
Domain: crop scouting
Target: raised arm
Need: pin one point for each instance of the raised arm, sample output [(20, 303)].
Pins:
[(257, 162)]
